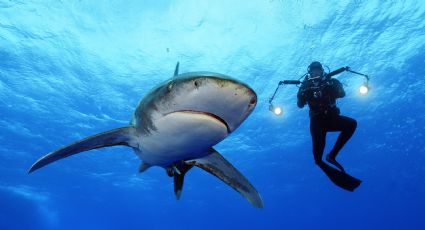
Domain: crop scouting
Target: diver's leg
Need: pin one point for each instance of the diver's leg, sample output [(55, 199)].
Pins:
[(318, 135), (347, 126)]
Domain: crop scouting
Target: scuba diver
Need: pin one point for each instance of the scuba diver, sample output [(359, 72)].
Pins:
[(320, 92)]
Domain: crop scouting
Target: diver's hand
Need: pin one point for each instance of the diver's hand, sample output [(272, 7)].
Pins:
[(347, 68)]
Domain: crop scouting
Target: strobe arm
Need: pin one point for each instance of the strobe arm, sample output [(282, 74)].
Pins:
[(361, 74), (363, 89), (284, 82), (338, 71), (289, 82), (348, 69)]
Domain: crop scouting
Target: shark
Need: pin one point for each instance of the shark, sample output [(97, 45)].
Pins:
[(176, 126)]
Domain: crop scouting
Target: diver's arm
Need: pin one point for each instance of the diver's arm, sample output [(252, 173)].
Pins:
[(338, 89), (301, 97)]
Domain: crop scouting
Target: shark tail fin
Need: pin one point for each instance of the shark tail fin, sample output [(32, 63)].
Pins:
[(215, 164), (120, 136)]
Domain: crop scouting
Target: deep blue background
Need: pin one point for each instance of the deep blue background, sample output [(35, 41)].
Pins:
[(70, 69)]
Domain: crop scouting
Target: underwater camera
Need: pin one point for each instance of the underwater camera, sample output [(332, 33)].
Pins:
[(277, 110)]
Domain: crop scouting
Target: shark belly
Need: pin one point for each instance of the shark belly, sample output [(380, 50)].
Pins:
[(181, 136)]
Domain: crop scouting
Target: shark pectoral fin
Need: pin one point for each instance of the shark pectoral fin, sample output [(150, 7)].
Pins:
[(120, 136), (215, 164)]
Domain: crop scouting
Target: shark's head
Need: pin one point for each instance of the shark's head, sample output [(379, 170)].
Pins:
[(219, 96)]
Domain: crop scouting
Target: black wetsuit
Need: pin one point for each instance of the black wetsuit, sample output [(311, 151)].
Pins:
[(325, 116)]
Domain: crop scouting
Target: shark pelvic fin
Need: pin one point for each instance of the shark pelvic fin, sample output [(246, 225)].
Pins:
[(178, 171), (144, 166)]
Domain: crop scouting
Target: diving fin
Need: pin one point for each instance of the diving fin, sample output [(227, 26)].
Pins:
[(215, 164), (335, 163), (120, 136), (341, 179)]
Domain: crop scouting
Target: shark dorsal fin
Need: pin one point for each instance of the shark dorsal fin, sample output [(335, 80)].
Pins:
[(176, 70)]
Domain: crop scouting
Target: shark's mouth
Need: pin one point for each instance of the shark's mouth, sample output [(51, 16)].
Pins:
[(212, 115)]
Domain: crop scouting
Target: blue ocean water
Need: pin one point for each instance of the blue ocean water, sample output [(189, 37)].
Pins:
[(71, 69)]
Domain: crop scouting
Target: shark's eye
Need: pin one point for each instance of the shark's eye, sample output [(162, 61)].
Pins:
[(196, 83)]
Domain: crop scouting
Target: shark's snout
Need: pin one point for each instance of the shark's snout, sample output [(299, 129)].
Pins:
[(217, 95)]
